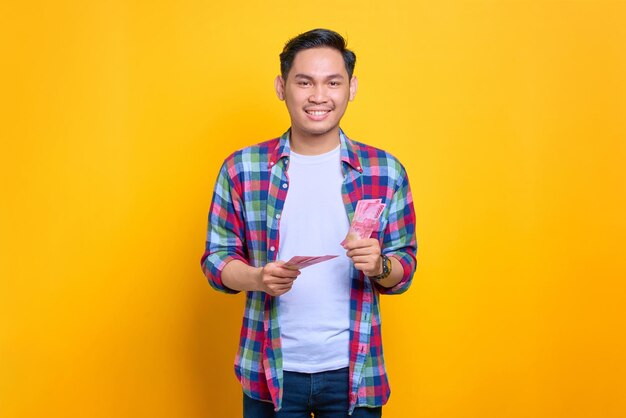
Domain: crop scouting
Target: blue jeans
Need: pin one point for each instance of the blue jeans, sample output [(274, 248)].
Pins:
[(324, 394)]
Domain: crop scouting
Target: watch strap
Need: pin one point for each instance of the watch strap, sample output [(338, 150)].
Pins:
[(386, 269)]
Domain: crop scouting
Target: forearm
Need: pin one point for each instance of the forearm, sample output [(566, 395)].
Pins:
[(397, 273), (240, 276)]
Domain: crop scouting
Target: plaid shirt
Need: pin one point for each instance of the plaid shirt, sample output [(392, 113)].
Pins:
[(243, 225)]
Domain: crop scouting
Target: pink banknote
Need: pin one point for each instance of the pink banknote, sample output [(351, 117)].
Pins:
[(299, 262), (368, 209), (365, 219)]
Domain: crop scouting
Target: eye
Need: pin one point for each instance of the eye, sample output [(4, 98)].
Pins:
[(334, 83), (304, 83)]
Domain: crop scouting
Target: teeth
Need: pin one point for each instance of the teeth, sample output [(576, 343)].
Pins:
[(317, 112)]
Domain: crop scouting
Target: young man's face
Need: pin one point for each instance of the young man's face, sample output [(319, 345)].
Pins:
[(317, 91)]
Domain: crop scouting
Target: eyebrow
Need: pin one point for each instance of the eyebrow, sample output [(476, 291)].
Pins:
[(308, 77)]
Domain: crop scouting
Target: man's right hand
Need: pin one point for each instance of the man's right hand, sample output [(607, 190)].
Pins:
[(276, 280)]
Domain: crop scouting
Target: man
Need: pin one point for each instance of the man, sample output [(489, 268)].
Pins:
[(310, 339)]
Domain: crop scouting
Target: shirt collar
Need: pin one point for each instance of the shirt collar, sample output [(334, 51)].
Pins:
[(347, 151)]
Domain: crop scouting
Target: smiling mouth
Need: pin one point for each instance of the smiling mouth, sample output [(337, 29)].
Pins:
[(317, 112)]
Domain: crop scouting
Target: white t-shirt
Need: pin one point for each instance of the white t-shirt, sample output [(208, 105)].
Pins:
[(314, 315)]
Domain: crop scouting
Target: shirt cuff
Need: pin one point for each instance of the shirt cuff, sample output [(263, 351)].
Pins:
[(213, 266), (408, 266)]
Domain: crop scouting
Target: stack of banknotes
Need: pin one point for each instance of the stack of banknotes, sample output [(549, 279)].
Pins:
[(365, 219)]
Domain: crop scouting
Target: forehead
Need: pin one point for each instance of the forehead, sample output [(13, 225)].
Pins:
[(318, 62)]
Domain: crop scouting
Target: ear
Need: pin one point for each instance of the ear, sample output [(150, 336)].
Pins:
[(354, 83), (279, 85)]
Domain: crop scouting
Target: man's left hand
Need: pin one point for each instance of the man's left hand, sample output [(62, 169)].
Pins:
[(365, 254)]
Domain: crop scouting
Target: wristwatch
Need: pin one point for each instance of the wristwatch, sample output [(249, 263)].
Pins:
[(386, 269)]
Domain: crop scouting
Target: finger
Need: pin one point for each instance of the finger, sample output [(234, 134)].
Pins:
[(352, 244), (278, 265), (290, 267), (372, 250), (367, 263), (364, 259), (368, 269), (284, 287), (280, 281), (277, 291), (361, 243), (362, 266), (283, 272), (283, 264)]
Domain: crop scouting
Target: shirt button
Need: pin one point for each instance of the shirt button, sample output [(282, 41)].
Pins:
[(278, 216), (271, 162), (272, 248), (284, 185), (358, 168)]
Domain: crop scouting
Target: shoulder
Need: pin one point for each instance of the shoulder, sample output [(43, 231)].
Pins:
[(251, 158), (253, 152), (378, 161)]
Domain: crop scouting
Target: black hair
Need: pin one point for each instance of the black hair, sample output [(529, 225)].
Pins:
[(316, 38)]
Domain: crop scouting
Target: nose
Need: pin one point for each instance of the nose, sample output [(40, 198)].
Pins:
[(318, 95)]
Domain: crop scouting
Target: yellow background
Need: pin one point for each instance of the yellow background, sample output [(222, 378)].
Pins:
[(509, 116)]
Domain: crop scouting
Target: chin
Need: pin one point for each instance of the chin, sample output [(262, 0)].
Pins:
[(319, 130)]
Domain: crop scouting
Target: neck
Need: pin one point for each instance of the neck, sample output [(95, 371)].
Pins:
[(313, 144)]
